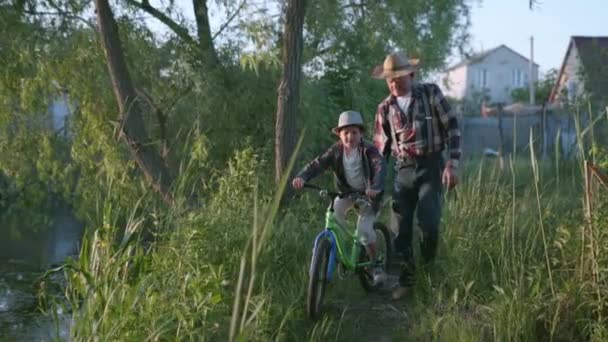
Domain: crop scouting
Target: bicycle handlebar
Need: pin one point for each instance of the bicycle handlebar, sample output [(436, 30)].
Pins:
[(326, 193)]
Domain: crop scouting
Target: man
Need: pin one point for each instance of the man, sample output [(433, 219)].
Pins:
[(414, 124)]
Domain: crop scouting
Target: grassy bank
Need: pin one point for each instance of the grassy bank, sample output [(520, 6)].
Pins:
[(516, 262)]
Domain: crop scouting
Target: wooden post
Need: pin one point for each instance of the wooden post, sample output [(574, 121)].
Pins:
[(499, 114)]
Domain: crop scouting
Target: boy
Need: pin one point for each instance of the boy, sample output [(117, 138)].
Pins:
[(357, 166)]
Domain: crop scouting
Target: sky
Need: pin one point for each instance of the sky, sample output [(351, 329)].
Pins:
[(551, 22)]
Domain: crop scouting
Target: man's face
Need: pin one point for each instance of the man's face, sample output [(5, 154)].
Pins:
[(400, 86), (350, 136)]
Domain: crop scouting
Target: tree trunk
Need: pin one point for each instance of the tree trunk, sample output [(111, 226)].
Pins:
[(132, 129), (289, 88), (201, 14)]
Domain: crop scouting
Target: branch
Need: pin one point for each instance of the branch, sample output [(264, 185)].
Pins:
[(363, 4), (179, 30), (224, 25), (532, 3), (62, 14)]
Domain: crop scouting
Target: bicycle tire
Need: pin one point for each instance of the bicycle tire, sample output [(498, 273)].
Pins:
[(318, 279), (385, 252)]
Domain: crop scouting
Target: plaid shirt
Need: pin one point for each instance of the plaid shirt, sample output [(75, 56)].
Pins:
[(427, 127)]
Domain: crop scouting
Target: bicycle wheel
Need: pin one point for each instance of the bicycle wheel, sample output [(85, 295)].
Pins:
[(383, 255), (318, 278)]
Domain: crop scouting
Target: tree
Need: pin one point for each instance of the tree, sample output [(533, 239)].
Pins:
[(131, 106), (289, 87), (203, 44)]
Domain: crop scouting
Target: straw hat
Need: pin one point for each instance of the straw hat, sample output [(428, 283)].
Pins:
[(395, 65)]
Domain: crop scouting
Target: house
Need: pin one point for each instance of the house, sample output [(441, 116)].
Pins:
[(492, 74), (586, 59)]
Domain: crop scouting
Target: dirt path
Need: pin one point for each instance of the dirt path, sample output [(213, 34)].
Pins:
[(365, 316)]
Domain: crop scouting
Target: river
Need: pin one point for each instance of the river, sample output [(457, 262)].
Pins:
[(23, 259)]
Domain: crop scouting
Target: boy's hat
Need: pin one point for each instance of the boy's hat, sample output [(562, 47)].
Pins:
[(395, 65), (349, 118)]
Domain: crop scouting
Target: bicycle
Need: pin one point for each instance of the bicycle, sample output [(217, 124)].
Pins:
[(338, 246)]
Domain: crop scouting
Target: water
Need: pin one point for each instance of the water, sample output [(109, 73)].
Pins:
[(22, 261)]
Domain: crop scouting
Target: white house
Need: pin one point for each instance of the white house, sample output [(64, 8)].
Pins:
[(583, 54), (493, 73)]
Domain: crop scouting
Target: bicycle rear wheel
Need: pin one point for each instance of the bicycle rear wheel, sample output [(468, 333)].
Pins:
[(318, 279), (383, 256)]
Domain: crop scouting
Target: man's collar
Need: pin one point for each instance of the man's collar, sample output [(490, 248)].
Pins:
[(416, 91)]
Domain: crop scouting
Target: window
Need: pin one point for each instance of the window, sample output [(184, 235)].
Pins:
[(518, 78), (482, 78)]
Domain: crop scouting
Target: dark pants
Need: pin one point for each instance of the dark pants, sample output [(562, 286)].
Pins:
[(417, 189)]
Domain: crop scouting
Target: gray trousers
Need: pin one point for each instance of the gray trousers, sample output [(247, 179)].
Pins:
[(417, 191)]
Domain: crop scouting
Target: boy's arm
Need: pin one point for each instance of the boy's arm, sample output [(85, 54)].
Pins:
[(318, 165)]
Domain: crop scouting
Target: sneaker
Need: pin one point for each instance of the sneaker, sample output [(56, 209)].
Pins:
[(378, 275)]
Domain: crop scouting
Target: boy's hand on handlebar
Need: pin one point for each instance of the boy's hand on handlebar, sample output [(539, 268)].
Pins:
[(371, 193), (298, 183)]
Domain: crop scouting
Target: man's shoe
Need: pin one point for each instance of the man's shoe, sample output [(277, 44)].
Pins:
[(401, 292)]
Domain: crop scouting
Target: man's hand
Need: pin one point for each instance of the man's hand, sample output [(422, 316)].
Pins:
[(449, 177), (372, 193), (298, 183)]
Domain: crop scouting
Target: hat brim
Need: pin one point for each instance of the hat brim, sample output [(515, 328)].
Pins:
[(380, 73), (336, 130)]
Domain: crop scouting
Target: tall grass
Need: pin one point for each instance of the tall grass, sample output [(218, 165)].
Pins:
[(517, 261)]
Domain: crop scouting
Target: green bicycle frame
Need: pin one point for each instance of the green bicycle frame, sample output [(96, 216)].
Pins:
[(345, 246)]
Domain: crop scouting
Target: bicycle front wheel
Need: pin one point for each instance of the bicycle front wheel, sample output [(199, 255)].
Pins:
[(318, 279)]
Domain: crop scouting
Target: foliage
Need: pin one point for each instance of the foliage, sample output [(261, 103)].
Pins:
[(173, 273), (542, 88), (594, 73)]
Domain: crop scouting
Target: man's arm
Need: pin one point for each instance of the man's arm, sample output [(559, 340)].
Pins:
[(378, 164), (449, 121), (382, 137)]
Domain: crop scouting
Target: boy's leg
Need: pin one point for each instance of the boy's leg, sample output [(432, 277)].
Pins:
[(365, 229), (341, 207)]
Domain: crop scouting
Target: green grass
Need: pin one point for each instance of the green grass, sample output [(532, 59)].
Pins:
[(512, 265)]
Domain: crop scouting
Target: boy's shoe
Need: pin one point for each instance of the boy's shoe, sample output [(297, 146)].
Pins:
[(378, 276)]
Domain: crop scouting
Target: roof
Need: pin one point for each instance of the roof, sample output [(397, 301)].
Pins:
[(587, 47), (480, 56)]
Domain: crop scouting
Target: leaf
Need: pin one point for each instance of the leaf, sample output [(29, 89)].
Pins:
[(499, 289)]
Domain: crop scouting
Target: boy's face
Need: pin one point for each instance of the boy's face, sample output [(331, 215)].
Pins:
[(350, 136)]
